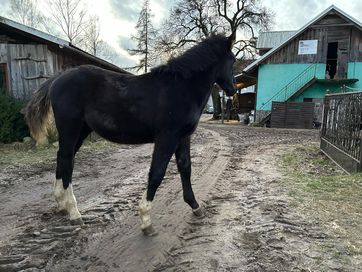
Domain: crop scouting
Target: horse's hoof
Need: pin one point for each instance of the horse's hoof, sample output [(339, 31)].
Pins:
[(78, 221), (198, 212), (149, 231)]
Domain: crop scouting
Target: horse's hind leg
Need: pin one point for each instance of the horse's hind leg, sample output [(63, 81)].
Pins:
[(71, 137), (58, 190), (163, 150), (183, 161)]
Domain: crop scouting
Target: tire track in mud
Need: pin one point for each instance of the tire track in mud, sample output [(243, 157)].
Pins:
[(44, 239), (42, 236), (250, 225), (124, 248)]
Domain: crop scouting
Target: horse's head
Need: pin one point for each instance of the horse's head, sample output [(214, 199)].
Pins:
[(225, 75)]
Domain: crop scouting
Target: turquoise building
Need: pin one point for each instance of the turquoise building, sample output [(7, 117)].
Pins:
[(301, 66)]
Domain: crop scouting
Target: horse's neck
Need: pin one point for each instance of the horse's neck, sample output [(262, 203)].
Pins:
[(202, 85)]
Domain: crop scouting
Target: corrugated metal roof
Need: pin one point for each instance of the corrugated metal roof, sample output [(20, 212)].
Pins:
[(57, 41), (271, 39), (266, 55)]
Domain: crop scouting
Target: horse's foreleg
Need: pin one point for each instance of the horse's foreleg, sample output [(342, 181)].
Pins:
[(183, 161), (162, 153)]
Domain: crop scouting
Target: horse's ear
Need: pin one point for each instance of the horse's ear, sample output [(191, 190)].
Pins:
[(231, 39)]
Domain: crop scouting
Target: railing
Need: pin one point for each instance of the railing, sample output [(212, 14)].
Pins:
[(341, 131), (292, 87)]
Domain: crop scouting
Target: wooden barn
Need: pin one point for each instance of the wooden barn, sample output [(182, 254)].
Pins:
[(301, 66), (28, 57)]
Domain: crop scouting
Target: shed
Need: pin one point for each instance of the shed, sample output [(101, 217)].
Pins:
[(28, 57), (324, 54)]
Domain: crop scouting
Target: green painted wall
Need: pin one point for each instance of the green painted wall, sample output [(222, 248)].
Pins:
[(355, 71), (318, 90), (273, 77)]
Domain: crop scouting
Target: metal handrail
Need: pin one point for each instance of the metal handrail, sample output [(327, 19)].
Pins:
[(293, 86)]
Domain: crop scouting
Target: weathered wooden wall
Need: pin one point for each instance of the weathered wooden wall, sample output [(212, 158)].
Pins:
[(292, 115), (289, 52), (356, 46), (29, 65), (331, 28)]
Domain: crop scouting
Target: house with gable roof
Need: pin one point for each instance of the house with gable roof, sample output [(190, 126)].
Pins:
[(301, 66)]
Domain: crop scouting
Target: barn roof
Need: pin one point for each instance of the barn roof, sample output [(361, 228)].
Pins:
[(39, 36), (340, 12), (271, 39)]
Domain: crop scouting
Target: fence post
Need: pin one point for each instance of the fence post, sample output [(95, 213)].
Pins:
[(325, 115), (360, 153)]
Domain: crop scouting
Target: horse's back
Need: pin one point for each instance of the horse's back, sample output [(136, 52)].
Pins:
[(111, 103)]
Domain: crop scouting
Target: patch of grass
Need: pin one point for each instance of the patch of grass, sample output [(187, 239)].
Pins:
[(323, 192), (19, 154)]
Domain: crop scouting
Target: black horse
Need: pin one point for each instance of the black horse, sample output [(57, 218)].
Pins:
[(161, 107)]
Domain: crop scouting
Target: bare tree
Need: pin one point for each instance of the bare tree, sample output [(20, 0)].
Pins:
[(144, 38), (108, 53), (246, 16), (26, 12), (192, 20), (188, 23), (92, 41), (70, 17)]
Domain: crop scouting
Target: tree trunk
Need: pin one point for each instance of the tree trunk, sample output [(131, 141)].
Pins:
[(216, 101)]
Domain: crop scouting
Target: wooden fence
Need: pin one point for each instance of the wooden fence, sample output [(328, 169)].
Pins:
[(341, 130), (292, 115)]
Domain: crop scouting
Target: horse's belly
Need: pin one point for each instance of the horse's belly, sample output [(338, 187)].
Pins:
[(126, 130), (126, 137)]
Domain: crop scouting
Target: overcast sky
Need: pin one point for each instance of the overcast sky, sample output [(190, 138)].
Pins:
[(118, 17)]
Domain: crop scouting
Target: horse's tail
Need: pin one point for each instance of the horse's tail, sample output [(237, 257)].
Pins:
[(38, 112)]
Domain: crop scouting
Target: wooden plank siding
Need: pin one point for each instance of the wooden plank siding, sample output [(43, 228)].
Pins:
[(29, 65), (289, 52), (331, 28), (30, 57), (28, 68), (292, 115), (356, 45)]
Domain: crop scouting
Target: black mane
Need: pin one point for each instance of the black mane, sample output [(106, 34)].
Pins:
[(196, 59)]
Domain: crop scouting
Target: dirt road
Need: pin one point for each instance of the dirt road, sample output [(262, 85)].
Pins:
[(248, 223)]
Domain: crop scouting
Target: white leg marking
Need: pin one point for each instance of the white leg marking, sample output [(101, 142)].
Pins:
[(145, 207), (59, 194), (71, 203)]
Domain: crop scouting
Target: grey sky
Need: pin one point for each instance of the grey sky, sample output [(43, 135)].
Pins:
[(118, 17)]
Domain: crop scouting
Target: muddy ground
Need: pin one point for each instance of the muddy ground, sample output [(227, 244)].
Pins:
[(251, 222)]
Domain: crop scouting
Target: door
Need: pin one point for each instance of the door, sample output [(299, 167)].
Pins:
[(342, 61), (332, 56)]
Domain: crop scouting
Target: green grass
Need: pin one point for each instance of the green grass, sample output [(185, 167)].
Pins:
[(18, 154), (323, 192)]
